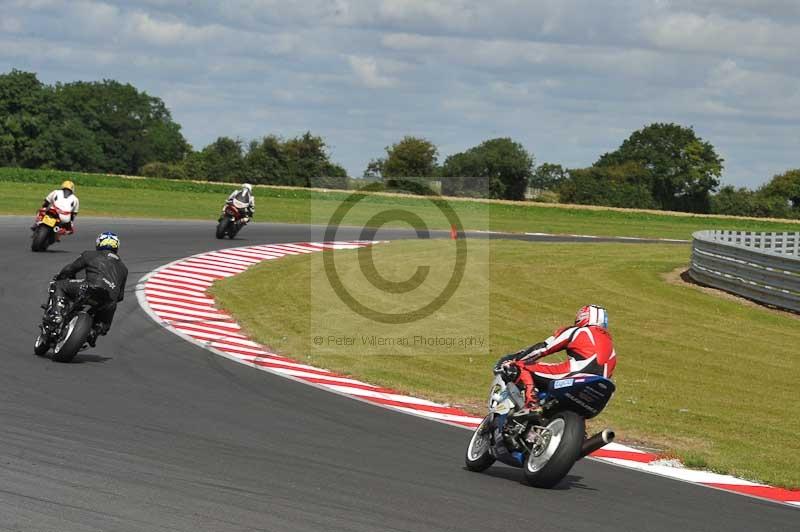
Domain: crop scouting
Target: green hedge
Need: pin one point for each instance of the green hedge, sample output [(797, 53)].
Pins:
[(55, 177)]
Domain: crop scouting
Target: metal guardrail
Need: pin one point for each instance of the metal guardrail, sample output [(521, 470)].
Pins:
[(764, 267)]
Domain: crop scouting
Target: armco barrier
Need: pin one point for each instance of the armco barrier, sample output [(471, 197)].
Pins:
[(764, 267)]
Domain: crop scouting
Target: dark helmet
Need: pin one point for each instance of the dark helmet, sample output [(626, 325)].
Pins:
[(107, 241)]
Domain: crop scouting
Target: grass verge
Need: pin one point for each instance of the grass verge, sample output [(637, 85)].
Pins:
[(702, 378), (21, 192)]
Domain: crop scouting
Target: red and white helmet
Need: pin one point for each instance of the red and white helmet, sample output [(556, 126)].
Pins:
[(592, 315)]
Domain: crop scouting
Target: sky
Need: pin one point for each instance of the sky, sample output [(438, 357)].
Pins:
[(569, 79)]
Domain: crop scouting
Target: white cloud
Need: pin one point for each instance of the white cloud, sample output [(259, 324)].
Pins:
[(568, 78), (756, 37), (10, 24), (366, 71)]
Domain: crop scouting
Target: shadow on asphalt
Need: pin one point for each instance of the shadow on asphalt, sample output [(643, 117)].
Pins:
[(516, 475), (81, 359)]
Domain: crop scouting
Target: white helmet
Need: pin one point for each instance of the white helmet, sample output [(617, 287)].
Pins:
[(592, 315), (247, 186)]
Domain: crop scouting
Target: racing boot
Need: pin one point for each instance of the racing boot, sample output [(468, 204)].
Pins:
[(99, 329), (532, 407), (91, 339), (532, 410)]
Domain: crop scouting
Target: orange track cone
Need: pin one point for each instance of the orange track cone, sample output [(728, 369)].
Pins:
[(453, 233)]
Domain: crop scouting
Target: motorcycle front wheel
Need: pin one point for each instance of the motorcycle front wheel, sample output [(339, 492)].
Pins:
[(478, 456), (222, 227), (41, 346), (557, 452), (41, 238)]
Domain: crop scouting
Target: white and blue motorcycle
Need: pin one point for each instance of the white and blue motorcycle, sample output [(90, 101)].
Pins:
[(547, 446)]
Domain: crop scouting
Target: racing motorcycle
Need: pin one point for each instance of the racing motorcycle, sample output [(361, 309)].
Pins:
[(232, 219), (74, 331), (547, 446), (51, 224)]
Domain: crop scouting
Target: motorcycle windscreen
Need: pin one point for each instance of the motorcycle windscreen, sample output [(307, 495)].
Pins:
[(499, 401), (586, 396)]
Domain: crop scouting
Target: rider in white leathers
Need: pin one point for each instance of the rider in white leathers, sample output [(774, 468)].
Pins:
[(65, 200), (244, 199)]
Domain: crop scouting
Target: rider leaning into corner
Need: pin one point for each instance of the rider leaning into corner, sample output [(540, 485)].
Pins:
[(589, 348), (105, 279), (243, 199), (65, 199)]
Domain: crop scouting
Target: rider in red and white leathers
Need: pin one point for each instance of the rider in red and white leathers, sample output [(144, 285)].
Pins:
[(588, 345)]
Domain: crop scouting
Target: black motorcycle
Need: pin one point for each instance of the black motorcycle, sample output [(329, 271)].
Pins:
[(73, 332)]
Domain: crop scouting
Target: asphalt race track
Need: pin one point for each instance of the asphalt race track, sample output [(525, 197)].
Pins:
[(149, 432)]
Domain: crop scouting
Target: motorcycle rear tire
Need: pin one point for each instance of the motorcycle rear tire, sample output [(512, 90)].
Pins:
[(563, 456), (78, 329), (41, 238), (222, 227), (234, 230)]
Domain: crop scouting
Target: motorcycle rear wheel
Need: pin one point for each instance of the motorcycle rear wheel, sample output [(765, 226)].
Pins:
[(73, 338), (234, 230), (478, 457), (548, 467)]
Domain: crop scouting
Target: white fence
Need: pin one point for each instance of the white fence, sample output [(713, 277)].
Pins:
[(764, 267)]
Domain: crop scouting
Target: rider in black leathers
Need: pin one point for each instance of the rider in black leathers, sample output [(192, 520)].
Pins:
[(104, 280)]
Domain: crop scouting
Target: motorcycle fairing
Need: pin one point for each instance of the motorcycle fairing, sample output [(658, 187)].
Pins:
[(586, 396)]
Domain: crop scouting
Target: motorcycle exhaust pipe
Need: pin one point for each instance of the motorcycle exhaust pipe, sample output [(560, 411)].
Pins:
[(597, 441)]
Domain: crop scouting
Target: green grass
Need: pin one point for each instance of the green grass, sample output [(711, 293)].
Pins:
[(22, 190), (703, 378)]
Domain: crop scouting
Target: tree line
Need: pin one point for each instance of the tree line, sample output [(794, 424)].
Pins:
[(663, 166), (301, 162), (111, 127)]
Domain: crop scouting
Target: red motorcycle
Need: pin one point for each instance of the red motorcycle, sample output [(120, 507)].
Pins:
[(231, 222), (51, 224)]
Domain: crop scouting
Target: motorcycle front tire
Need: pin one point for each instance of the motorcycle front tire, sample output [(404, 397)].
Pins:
[(77, 330), (41, 346), (478, 456), (222, 227)]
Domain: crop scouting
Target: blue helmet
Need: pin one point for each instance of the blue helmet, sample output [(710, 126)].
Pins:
[(107, 241)]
